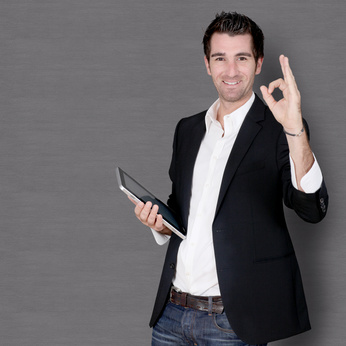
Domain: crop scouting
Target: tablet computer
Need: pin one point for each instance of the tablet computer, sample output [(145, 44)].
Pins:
[(138, 193)]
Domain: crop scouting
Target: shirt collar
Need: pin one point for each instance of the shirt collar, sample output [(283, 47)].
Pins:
[(236, 118)]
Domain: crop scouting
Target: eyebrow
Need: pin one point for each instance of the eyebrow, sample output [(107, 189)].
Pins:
[(238, 54), (244, 54), (217, 54)]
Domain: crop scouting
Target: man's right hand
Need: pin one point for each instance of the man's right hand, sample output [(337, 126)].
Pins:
[(148, 215)]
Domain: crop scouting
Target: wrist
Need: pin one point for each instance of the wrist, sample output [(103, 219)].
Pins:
[(297, 132)]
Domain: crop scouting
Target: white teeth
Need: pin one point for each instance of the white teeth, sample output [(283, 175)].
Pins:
[(234, 83)]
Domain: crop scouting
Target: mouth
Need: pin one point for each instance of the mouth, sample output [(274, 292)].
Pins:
[(232, 83)]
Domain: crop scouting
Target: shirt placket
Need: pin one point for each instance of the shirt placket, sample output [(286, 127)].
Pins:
[(203, 210)]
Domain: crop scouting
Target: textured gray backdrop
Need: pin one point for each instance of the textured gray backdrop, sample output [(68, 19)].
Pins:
[(88, 85)]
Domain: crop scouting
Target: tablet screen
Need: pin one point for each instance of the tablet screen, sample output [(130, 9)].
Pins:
[(135, 190)]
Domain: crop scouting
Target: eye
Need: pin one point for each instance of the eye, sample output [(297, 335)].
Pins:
[(242, 58), (219, 59)]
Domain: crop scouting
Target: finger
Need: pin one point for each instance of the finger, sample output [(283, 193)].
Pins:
[(268, 98), (264, 91), (287, 71), (152, 216), (143, 215), (138, 209), (292, 86), (284, 62), (159, 223), (278, 83)]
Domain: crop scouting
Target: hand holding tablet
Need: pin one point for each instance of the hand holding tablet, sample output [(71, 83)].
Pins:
[(148, 214), (138, 193)]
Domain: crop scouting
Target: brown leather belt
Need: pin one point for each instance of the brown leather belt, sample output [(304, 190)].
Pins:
[(186, 300)]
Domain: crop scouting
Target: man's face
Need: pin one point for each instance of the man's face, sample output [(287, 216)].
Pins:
[(232, 67)]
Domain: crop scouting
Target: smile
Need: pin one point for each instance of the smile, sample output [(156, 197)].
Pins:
[(232, 83)]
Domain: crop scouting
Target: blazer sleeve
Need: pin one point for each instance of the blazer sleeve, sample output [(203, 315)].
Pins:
[(311, 207)]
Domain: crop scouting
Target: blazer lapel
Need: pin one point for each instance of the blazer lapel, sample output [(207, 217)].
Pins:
[(247, 134), (194, 139)]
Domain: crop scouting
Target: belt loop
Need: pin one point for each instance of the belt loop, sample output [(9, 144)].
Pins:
[(210, 306)]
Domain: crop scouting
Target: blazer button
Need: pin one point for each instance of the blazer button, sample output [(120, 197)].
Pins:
[(172, 266), (323, 206)]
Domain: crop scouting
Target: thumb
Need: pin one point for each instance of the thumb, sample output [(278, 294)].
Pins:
[(268, 98), (264, 91)]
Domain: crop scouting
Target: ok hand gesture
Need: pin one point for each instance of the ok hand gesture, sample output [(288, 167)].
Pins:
[(287, 111)]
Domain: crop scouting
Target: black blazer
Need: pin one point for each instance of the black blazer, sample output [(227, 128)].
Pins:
[(258, 273)]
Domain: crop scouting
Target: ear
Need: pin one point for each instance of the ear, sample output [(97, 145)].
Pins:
[(259, 65), (207, 65)]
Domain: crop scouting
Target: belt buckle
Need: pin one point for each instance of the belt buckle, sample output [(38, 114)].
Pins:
[(173, 288), (180, 297)]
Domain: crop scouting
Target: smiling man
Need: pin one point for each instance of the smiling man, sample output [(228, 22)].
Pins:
[(235, 279)]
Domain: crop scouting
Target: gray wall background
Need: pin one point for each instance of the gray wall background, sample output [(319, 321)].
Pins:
[(88, 85)]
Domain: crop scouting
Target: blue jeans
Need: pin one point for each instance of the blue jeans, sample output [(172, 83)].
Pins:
[(185, 326)]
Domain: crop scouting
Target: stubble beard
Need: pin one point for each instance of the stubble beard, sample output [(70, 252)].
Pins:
[(236, 96)]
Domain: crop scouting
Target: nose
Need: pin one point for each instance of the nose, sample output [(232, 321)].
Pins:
[(232, 68)]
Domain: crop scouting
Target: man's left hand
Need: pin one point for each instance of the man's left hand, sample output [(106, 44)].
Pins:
[(287, 111)]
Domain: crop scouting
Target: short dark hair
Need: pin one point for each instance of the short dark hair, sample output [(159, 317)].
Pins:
[(233, 24)]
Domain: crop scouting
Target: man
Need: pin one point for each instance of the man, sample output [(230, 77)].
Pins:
[(235, 280)]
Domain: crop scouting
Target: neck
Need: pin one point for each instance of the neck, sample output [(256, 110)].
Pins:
[(229, 107)]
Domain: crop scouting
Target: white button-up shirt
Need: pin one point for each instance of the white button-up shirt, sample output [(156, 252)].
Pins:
[(196, 269)]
